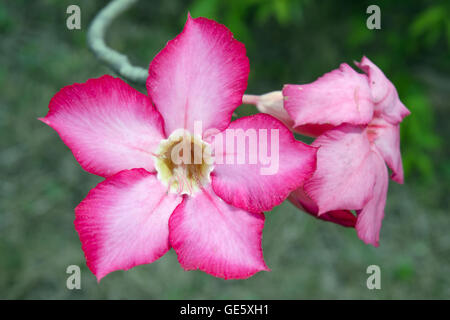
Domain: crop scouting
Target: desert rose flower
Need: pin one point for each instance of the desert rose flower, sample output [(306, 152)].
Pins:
[(157, 195), (356, 119)]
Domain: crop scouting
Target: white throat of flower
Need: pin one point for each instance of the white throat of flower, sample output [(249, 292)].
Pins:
[(183, 162)]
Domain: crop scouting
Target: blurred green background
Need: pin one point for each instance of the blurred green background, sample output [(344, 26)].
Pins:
[(288, 41)]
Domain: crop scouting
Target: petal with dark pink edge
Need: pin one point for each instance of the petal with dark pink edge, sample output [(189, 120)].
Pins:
[(201, 75), (210, 235), (313, 130), (247, 179), (272, 103), (123, 222), (344, 178), (386, 137), (340, 96), (301, 200), (385, 96), (369, 219), (108, 125)]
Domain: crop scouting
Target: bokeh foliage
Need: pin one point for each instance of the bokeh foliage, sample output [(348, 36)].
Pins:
[(288, 41)]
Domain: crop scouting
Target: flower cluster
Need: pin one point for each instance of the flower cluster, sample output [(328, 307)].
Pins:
[(355, 119), (164, 185)]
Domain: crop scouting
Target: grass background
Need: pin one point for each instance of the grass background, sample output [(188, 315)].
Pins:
[(288, 41)]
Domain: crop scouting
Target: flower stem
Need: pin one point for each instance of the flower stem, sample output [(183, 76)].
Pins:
[(250, 99), (117, 61)]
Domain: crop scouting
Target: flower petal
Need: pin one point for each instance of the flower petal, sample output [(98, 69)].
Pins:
[(252, 183), (344, 178), (108, 125), (123, 222), (385, 96), (369, 220), (386, 138), (301, 200), (313, 130), (201, 75), (272, 103), (219, 239), (340, 96)]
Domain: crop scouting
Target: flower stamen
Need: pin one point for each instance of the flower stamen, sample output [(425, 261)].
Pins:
[(183, 162)]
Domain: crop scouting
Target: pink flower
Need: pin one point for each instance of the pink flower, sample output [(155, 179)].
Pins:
[(210, 213), (356, 119)]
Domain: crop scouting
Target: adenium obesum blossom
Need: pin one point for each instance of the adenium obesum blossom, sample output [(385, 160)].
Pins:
[(209, 213), (356, 119)]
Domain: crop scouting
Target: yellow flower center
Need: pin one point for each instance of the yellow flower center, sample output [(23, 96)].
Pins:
[(183, 162)]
